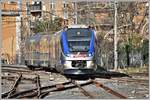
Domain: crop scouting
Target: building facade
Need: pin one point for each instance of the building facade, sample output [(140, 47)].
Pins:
[(13, 15)]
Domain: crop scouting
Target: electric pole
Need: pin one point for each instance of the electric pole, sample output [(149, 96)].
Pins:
[(75, 13), (65, 4), (28, 17), (52, 2), (18, 32), (115, 38)]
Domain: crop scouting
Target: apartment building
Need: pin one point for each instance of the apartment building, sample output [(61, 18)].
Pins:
[(18, 18), (12, 14), (9, 30), (51, 9)]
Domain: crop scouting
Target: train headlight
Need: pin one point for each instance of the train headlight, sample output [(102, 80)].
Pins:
[(70, 55), (90, 54), (90, 64)]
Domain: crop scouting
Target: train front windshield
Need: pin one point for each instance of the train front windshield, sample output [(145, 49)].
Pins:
[(78, 39)]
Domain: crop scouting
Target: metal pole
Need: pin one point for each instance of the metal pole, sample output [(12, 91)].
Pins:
[(75, 12), (18, 33), (64, 5), (53, 9), (28, 17), (115, 38), (149, 35)]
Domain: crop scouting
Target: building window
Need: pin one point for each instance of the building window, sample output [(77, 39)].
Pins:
[(52, 4)]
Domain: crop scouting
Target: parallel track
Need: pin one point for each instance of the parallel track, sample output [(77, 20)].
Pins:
[(86, 93), (109, 90)]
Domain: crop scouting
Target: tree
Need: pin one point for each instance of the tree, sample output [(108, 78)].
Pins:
[(48, 26)]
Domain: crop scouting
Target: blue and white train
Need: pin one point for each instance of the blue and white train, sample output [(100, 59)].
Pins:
[(70, 51), (78, 50)]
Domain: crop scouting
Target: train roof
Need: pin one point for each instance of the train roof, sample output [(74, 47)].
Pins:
[(37, 37), (77, 26), (34, 38)]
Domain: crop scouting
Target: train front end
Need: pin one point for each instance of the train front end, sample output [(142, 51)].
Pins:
[(77, 57)]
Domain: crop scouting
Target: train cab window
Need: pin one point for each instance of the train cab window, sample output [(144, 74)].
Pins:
[(78, 32), (82, 46), (78, 39)]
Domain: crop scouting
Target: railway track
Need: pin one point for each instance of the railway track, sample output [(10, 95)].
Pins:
[(21, 69), (86, 93), (109, 90), (13, 89), (43, 91), (15, 68)]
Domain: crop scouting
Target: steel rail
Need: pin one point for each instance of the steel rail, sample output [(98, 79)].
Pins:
[(133, 80), (10, 77), (29, 95), (38, 84), (41, 92), (14, 70), (83, 90), (109, 90), (15, 66), (20, 67), (44, 93), (5, 94), (63, 89), (34, 90), (14, 86)]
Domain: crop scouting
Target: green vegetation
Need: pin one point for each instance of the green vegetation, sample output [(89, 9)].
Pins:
[(131, 70), (48, 25)]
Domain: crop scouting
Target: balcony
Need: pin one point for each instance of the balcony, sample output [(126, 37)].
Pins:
[(10, 13), (36, 7)]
